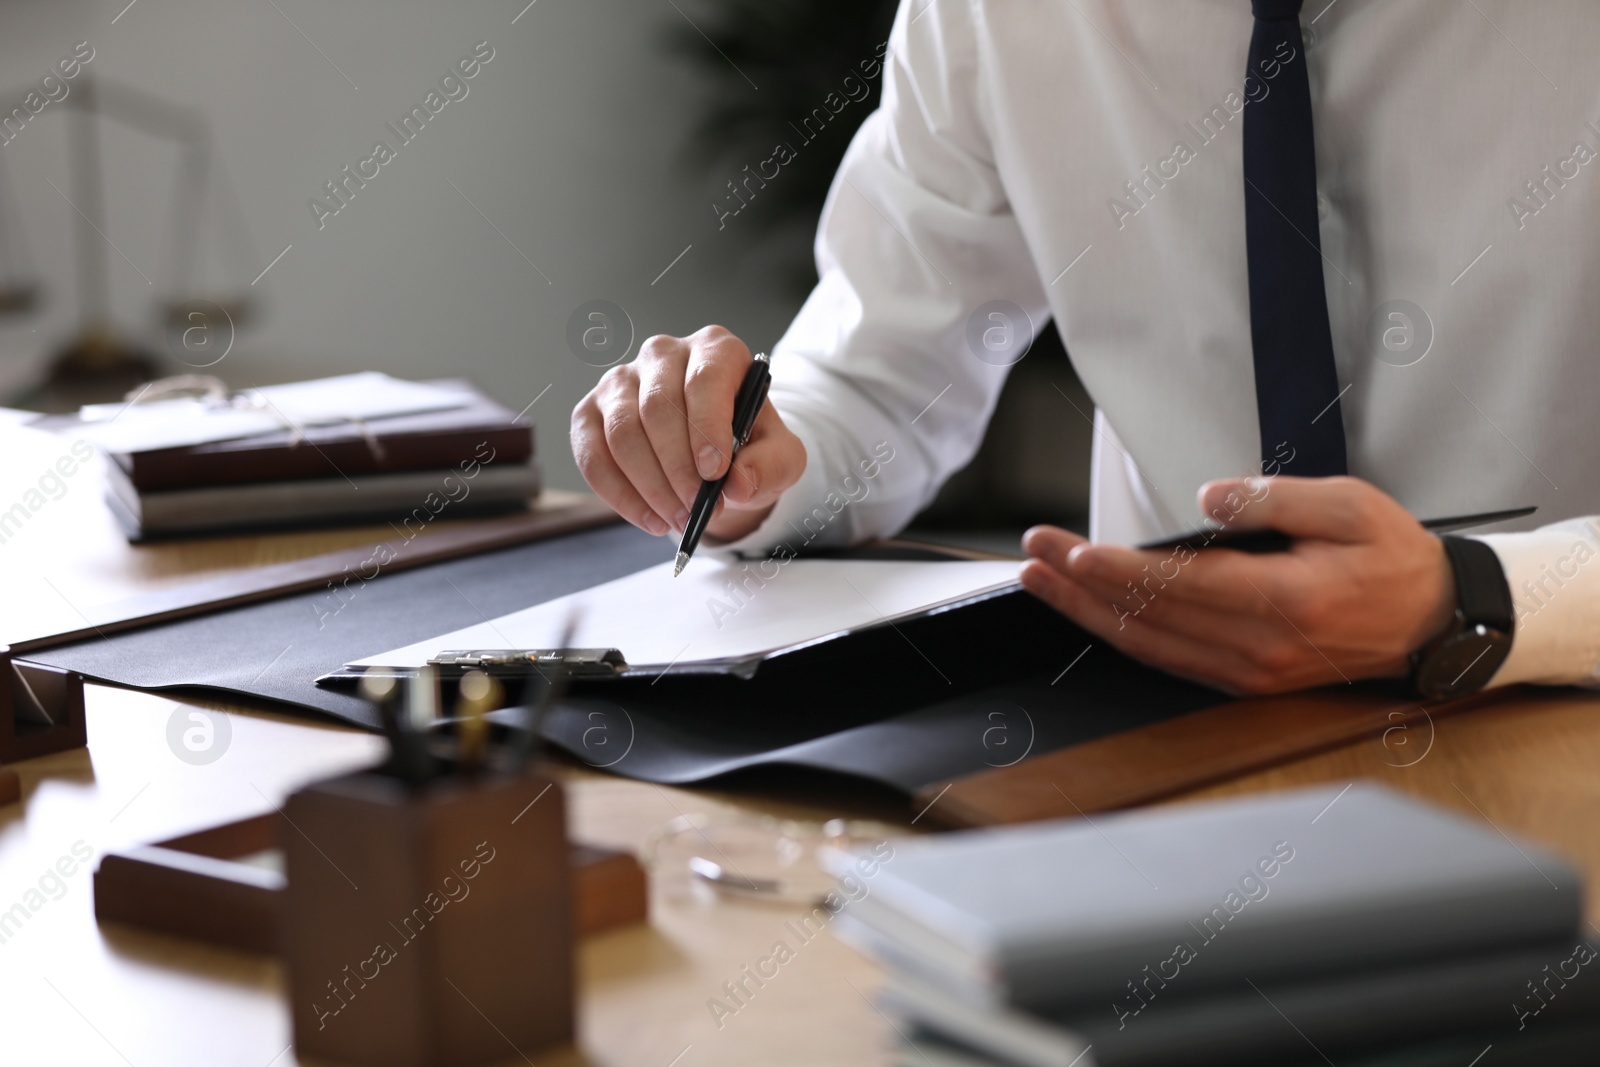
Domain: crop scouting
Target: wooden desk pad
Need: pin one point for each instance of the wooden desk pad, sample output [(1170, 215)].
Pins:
[(1163, 759)]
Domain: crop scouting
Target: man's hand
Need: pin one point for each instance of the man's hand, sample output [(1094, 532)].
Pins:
[(651, 430), (1364, 585)]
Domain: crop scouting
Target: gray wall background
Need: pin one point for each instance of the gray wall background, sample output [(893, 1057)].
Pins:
[(570, 142)]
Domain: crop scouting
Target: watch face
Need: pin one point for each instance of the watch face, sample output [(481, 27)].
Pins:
[(1463, 663)]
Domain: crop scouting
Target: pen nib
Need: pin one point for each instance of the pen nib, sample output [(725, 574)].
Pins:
[(683, 561)]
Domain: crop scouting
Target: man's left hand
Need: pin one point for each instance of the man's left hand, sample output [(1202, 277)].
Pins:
[(1363, 586)]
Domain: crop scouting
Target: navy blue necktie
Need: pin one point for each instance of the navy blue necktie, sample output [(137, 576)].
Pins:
[(1297, 384)]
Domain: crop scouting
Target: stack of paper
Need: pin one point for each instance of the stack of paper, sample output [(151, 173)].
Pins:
[(724, 616)]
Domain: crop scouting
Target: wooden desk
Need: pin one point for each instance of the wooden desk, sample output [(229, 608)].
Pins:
[(71, 992)]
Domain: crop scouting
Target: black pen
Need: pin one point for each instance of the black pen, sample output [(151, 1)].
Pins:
[(746, 406)]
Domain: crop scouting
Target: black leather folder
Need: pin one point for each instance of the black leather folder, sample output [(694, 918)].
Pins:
[(922, 702)]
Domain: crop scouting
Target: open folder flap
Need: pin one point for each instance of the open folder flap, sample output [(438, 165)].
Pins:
[(722, 617)]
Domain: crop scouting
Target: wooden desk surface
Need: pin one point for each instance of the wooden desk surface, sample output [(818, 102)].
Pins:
[(71, 992)]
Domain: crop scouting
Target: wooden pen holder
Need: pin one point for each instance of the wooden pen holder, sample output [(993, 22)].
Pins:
[(428, 927)]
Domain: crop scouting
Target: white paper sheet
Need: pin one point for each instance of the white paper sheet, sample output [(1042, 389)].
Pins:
[(127, 427), (718, 611)]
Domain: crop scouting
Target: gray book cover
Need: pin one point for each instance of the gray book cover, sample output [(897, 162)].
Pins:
[(1501, 995), (1164, 901)]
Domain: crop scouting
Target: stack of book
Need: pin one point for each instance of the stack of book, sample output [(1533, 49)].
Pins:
[(1306, 927), (464, 454)]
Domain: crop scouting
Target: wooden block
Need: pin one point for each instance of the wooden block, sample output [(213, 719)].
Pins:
[(170, 892), (427, 928), (41, 709), (195, 887), (609, 889), (1173, 756)]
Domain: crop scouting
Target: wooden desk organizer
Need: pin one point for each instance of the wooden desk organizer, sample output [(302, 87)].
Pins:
[(41, 709), (431, 927), (222, 887)]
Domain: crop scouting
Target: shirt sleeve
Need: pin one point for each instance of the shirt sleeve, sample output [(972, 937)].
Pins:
[(1555, 592), (877, 375)]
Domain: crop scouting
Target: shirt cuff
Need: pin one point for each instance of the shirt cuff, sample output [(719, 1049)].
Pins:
[(1555, 593)]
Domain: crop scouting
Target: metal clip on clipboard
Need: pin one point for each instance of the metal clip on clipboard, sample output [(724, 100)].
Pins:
[(519, 662)]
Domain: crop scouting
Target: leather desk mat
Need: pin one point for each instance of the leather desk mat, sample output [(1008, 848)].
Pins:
[(910, 706)]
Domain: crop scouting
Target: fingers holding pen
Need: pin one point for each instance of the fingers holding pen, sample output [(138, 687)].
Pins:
[(631, 450), (770, 462), (600, 469), (663, 412), (716, 365), (651, 431)]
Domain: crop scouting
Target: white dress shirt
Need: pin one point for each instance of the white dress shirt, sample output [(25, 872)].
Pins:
[(1080, 159)]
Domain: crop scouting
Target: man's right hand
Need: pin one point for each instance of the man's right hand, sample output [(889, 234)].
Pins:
[(651, 430)]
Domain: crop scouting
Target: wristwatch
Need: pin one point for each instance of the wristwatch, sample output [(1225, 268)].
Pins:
[(1465, 656)]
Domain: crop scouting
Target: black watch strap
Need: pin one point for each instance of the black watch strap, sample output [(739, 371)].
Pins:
[(1482, 593), (1467, 655)]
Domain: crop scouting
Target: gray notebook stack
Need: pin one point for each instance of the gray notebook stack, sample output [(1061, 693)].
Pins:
[(1319, 926)]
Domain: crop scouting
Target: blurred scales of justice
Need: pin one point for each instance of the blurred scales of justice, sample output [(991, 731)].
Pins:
[(102, 362)]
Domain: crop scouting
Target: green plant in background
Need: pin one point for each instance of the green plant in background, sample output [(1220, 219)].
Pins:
[(772, 65)]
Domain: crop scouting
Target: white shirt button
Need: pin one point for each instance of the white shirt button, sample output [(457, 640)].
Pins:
[(1322, 207)]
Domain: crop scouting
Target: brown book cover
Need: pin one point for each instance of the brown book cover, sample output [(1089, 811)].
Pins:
[(469, 489), (421, 441)]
